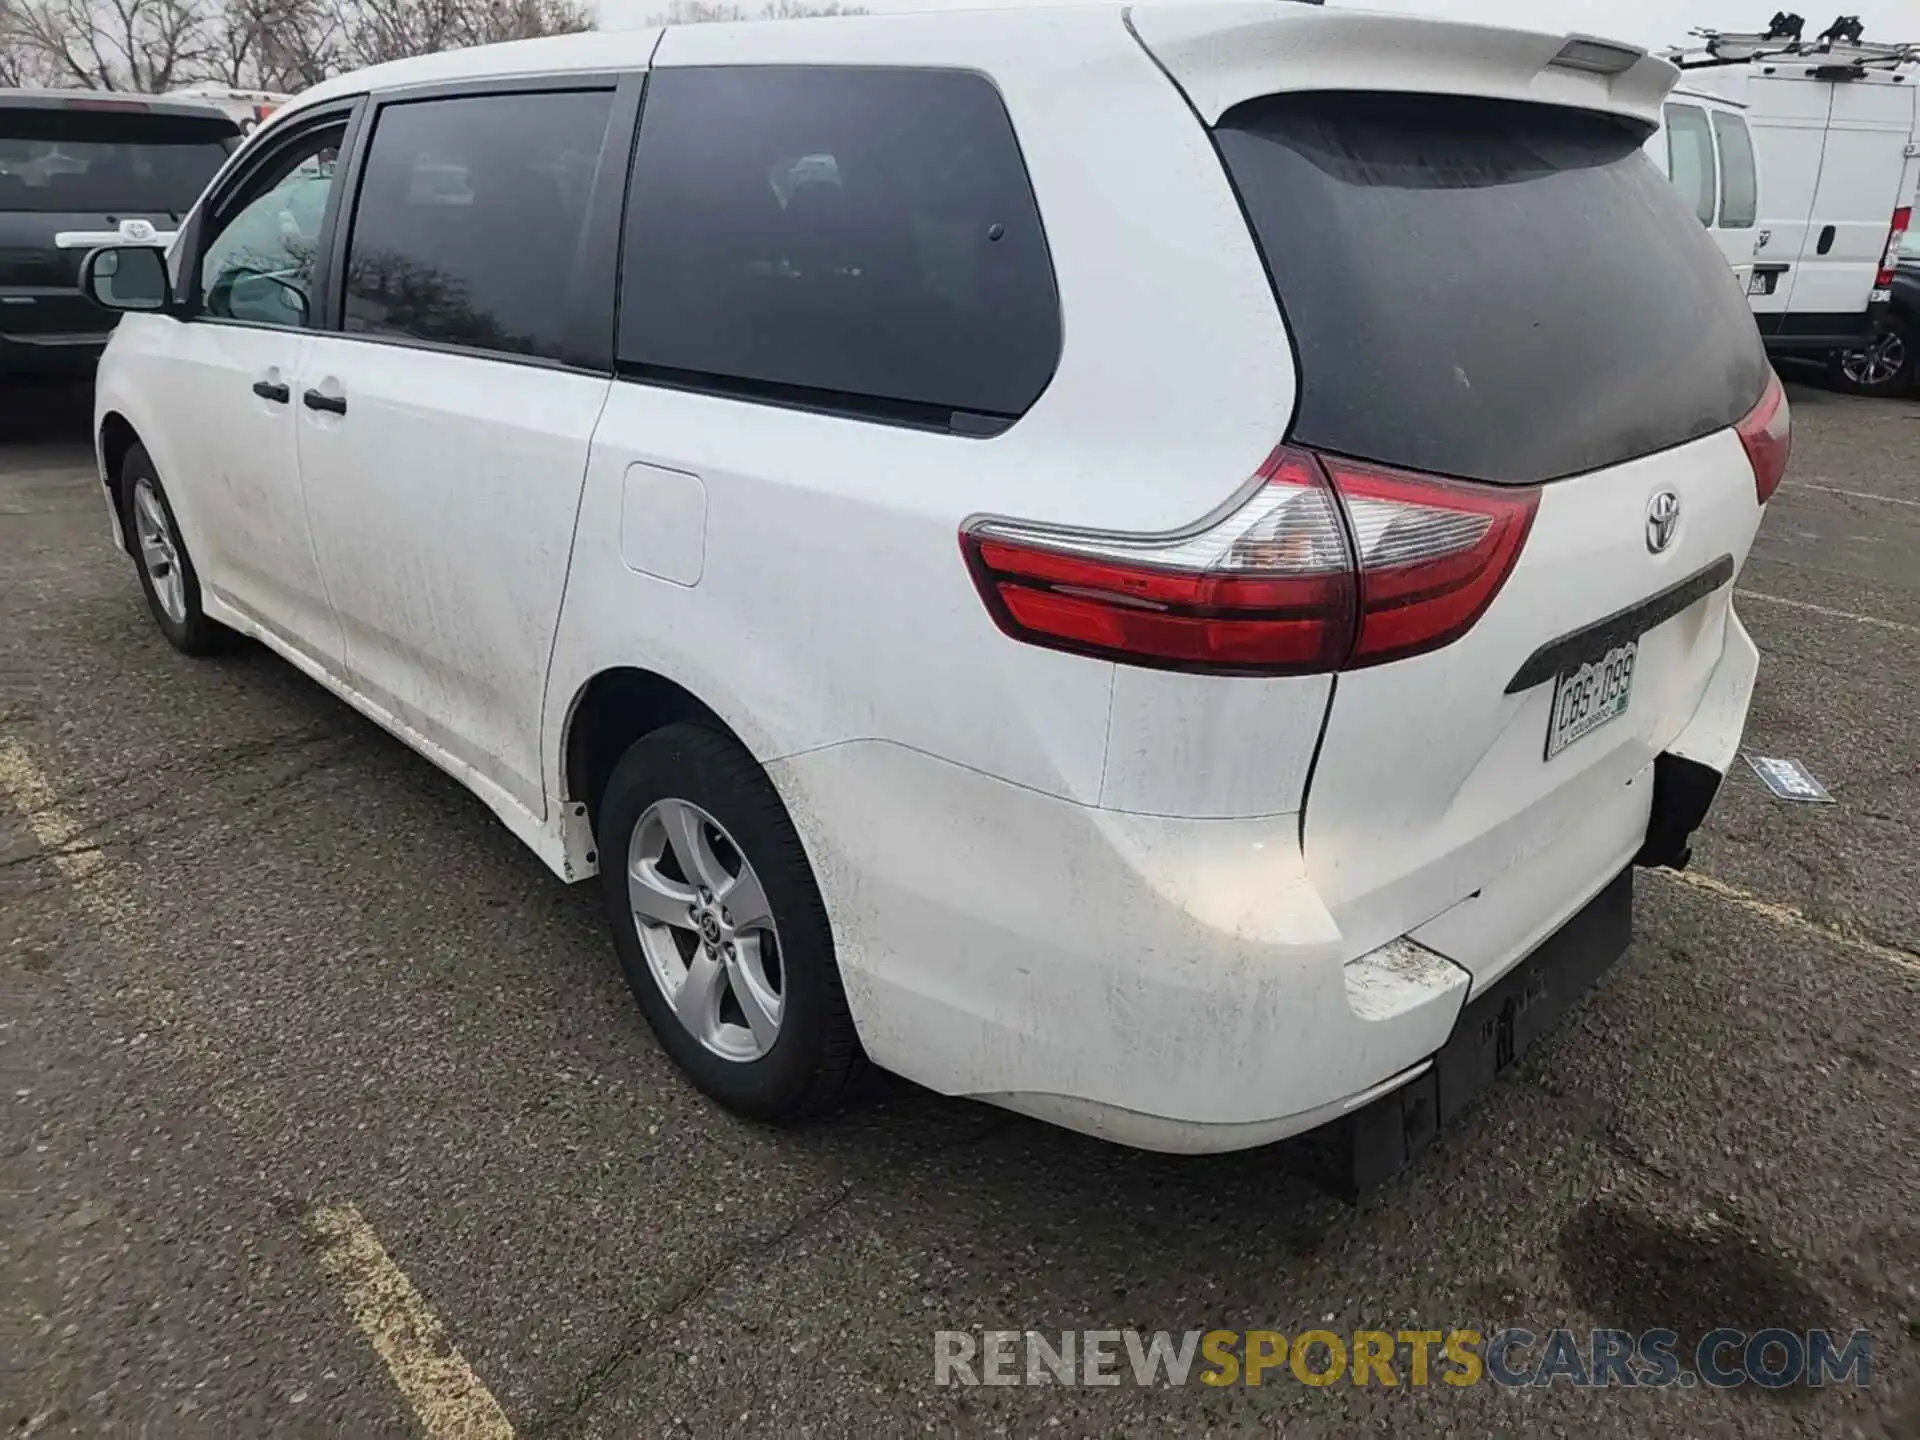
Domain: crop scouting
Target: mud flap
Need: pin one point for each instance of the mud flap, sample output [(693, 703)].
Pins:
[(1494, 1030)]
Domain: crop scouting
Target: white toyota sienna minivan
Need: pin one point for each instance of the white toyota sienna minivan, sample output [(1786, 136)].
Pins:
[(1155, 566)]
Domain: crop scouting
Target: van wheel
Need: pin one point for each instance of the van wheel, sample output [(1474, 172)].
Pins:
[(1884, 365), (166, 570), (720, 928)]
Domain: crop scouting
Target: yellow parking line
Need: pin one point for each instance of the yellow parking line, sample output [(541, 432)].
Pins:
[(1829, 610), (1789, 916), (61, 836), (446, 1396), (33, 797)]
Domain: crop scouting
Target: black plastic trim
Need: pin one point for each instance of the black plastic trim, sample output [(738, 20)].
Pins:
[(592, 309), (1494, 1029), (1809, 331), (1683, 792), (1590, 642), (842, 405)]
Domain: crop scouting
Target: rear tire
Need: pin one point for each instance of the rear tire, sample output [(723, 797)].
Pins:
[(167, 575), (1885, 365), (776, 1040)]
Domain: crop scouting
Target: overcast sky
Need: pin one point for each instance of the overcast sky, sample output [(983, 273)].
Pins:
[(1645, 22)]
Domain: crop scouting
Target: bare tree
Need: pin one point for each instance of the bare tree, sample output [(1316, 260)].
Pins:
[(140, 45), (278, 44), (153, 46)]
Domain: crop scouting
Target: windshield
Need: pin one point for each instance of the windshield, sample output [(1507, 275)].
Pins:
[(66, 161)]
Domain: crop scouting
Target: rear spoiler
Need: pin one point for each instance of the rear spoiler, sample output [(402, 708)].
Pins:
[(1222, 54)]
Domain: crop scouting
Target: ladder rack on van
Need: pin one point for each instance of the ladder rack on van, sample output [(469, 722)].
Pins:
[(1845, 58)]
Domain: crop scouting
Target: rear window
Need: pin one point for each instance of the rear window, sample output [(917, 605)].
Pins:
[(1488, 289), (64, 160), (858, 240)]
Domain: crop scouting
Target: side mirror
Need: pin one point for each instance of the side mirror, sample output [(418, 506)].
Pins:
[(126, 277), (263, 299)]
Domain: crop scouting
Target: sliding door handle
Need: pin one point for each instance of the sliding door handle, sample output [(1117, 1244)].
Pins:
[(268, 390), (332, 404)]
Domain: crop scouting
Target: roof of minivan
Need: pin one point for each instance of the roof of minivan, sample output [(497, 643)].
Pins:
[(1399, 47)]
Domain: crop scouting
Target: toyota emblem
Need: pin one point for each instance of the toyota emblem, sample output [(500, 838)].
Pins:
[(1663, 519)]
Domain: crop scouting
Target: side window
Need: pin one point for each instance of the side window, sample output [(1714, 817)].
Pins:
[(864, 240), (1739, 183), (259, 266), (1690, 158), (470, 216)]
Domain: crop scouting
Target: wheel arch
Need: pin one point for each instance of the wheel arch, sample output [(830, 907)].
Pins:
[(614, 708), (115, 438)]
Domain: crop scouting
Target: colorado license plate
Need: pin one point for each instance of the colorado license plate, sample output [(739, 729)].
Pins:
[(1589, 697)]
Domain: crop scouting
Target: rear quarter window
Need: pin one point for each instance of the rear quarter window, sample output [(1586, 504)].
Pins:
[(1486, 289), (859, 240)]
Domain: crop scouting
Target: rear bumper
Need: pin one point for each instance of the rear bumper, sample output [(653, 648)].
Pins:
[(1178, 984)]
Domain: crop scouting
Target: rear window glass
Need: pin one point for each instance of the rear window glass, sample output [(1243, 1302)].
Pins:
[(1690, 158), (1488, 289), (62, 160), (861, 240), (1739, 185)]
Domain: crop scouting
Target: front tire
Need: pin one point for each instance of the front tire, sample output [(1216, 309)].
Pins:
[(1885, 365), (167, 575), (720, 927)]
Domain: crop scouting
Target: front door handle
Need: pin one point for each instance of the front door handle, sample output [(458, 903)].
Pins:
[(267, 390), (332, 404)]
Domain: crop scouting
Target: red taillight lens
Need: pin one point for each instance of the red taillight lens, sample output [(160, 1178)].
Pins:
[(1433, 554), (1266, 590), (1328, 564), (1902, 219), (1767, 434)]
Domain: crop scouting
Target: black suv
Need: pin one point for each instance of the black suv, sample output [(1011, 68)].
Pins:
[(85, 166)]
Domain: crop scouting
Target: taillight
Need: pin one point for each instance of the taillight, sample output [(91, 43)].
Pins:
[(1902, 218), (1325, 565), (1767, 433), (1433, 554), (1267, 589)]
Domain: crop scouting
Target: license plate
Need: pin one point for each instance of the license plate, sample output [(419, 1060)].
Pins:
[(1589, 697), (1760, 282)]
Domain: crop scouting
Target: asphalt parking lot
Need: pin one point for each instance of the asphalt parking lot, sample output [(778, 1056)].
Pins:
[(276, 996)]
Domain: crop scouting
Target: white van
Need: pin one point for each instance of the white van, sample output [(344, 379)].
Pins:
[(1704, 147), (1837, 127)]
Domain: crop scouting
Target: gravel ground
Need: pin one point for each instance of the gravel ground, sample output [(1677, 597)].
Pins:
[(286, 964)]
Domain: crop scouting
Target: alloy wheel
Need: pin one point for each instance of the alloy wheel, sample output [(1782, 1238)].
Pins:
[(706, 929), (159, 551), (1877, 362)]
